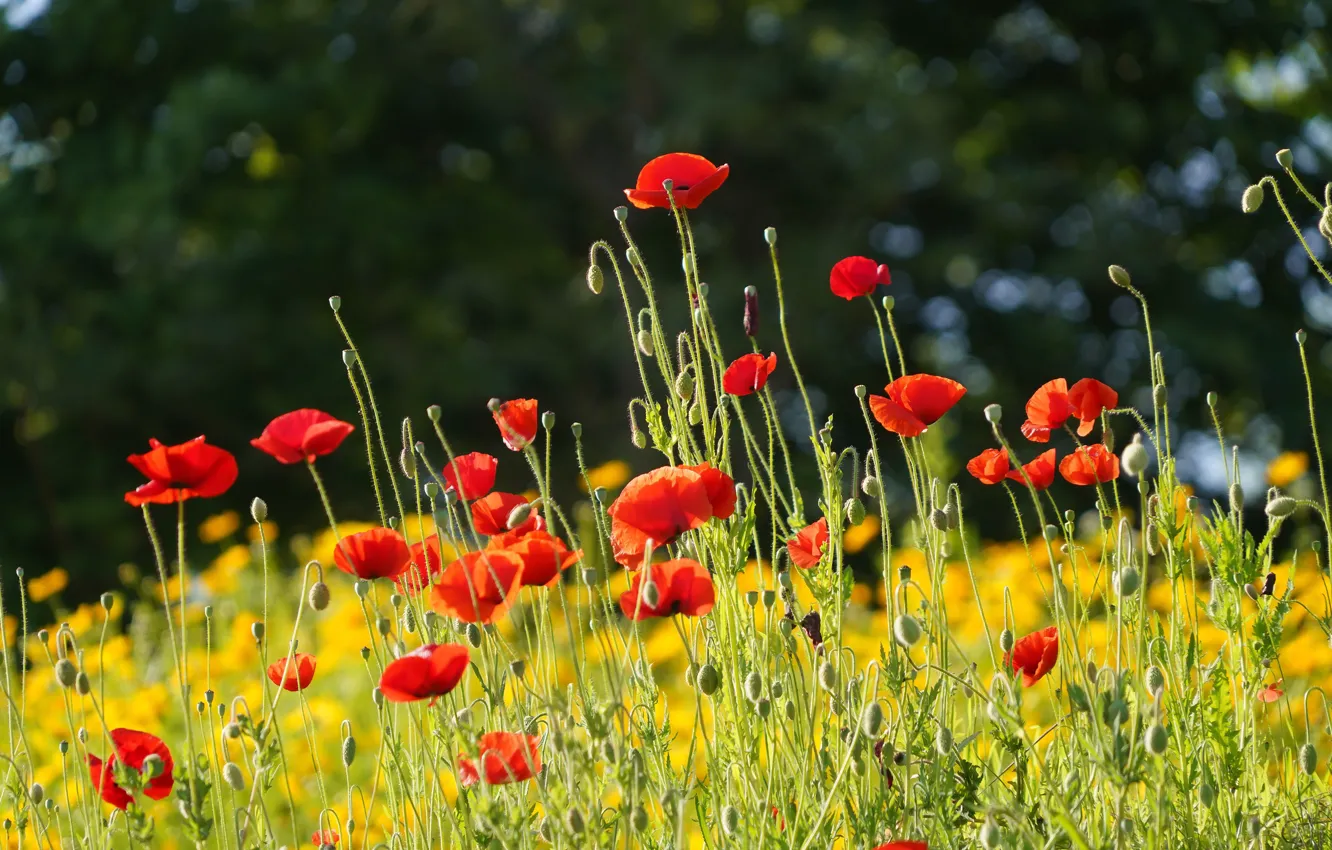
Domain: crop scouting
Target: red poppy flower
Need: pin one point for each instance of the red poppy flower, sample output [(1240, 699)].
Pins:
[(427, 672), (294, 676), (903, 845), (490, 514), (684, 587), (1041, 471), (184, 471), (720, 487), (659, 506), (302, 435), (1034, 655), (1054, 402), (517, 421), (915, 402), (1271, 693), (853, 277), (806, 548), (377, 553), (325, 837), (133, 748), (748, 374), (543, 555), (692, 176), (1093, 464), (478, 587), (471, 476), (990, 466), (505, 757), (424, 567), (1088, 399)]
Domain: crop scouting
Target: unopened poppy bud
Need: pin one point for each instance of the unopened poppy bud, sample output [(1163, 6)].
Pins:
[(1006, 640), (650, 594), (1051, 533), (1206, 794), (1154, 679), (684, 385), (871, 720), (707, 679), (407, 462), (870, 487), (473, 635), (696, 414), (770, 236), (517, 667), (828, 676), (764, 707), (384, 625), (1301, 336), (349, 357), (1134, 458), (1325, 223), (730, 820), (596, 281), (573, 819), (232, 730), (1119, 276), (1156, 739), (1126, 581), (855, 511), (990, 836), (638, 438), (1283, 158), (519, 515), (638, 819), (231, 774), (939, 519), (259, 509), (1251, 592), (1280, 507), (1308, 759), (152, 766), (943, 741), (257, 630), (906, 629), (753, 686), (1252, 198), (751, 320), (889, 302), (66, 673), (994, 414), (644, 339), (36, 793), (348, 751), (1158, 395), (1236, 497), (335, 302)]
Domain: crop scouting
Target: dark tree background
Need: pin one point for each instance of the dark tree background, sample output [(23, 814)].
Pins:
[(183, 186)]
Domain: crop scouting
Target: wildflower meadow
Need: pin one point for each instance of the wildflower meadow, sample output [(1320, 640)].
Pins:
[(683, 656)]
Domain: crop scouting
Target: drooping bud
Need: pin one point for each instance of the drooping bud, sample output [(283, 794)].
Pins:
[(1127, 580), (1280, 507), (319, 596), (1119, 276), (871, 720), (1308, 759), (1135, 457), (644, 339), (684, 385), (707, 679), (1154, 679), (855, 511), (939, 519), (596, 281), (1252, 198), (231, 774), (871, 487), (651, 594), (828, 676), (730, 819), (519, 515), (66, 673), (1006, 640), (943, 741), (751, 321), (1156, 739), (907, 630), (1206, 794)]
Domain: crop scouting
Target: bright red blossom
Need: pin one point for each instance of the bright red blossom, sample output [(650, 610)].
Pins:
[(189, 470), (490, 514), (517, 421), (693, 178), (325, 838), (1271, 693), (471, 475), (1055, 402), (1034, 655), (903, 845), (856, 276), (806, 548), (1088, 465), (719, 486), (133, 748), (427, 672), (915, 402), (479, 586), (990, 466), (424, 567), (377, 553), (544, 556), (748, 374), (302, 435), (504, 756), (660, 505), (293, 675), (684, 585), (1041, 471)]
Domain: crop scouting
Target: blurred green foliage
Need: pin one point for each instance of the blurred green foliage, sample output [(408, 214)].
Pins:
[(184, 185)]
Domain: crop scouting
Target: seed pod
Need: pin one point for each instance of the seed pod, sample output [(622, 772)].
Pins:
[(36, 793), (1156, 739), (871, 720), (907, 630), (730, 818), (855, 511), (1280, 507), (1155, 680), (751, 320), (349, 357), (231, 774), (708, 680), (257, 629), (82, 685), (871, 487), (943, 741), (1006, 640), (1127, 581), (377, 695), (1206, 794), (789, 709), (828, 676), (473, 635), (1308, 759), (770, 236), (66, 673), (596, 280), (384, 625), (776, 690), (994, 414), (348, 751), (1284, 158), (1134, 459)]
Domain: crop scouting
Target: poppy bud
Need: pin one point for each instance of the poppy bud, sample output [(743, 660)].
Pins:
[(1236, 497), (684, 385), (1283, 158), (638, 819), (855, 510), (231, 774), (730, 819), (1126, 581), (990, 836), (474, 635), (36, 793), (1280, 507), (769, 598), (349, 357), (407, 462), (1206, 794), (707, 679), (644, 339), (66, 673), (519, 515), (621, 214), (1325, 223), (753, 686), (764, 707), (638, 438), (1308, 759), (335, 302), (362, 588), (434, 412), (348, 751), (777, 690), (889, 302), (871, 720), (651, 594), (377, 695), (596, 281), (906, 629), (152, 766), (1119, 276), (828, 676), (517, 667), (259, 509), (1252, 198), (1006, 640), (994, 414), (943, 741), (870, 487), (1156, 739), (1155, 680), (770, 236), (1134, 458), (751, 322), (232, 730)]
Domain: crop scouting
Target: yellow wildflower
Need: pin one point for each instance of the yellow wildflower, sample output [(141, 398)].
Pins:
[(219, 526), (1286, 467), (857, 537), (610, 475), (270, 532), (44, 587)]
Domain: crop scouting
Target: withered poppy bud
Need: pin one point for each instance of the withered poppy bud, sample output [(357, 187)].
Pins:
[(596, 281), (1301, 336), (1252, 198), (751, 311)]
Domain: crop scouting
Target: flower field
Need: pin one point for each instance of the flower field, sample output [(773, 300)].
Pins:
[(684, 655)]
